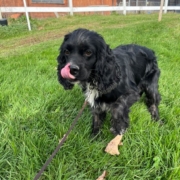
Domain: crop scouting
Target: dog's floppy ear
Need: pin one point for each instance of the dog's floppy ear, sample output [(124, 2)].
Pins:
[(61, 58), (107, 69), (61, 63)]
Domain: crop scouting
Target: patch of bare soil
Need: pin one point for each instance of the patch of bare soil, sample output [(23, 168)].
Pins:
[(15, 44)]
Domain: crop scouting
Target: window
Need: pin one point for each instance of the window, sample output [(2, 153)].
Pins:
[(48, 1)]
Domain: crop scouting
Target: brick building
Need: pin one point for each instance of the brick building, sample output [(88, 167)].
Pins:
[(52, 3), (76, 3)]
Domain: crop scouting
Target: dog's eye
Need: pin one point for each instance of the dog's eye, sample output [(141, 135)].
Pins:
[(88, 53), (66, 52)]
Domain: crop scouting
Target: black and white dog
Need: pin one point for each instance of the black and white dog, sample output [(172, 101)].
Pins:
[(111, 79)]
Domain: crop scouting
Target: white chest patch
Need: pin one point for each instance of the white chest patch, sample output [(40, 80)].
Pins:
[(91, 94)]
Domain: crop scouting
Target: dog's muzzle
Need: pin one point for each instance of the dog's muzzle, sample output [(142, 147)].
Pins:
[(70, 71)]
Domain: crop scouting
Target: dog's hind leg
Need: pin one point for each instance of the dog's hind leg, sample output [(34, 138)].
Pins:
[(152, 94)]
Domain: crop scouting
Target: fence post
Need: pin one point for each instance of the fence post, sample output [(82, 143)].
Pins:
[(137, 4), (71, 7), (0, 14), (160, 11), (27, 15), (124, 7), (166, 5)]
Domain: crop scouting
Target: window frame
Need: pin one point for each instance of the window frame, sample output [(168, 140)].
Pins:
[(50, 1)]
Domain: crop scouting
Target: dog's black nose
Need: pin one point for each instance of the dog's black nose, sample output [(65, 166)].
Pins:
[(74, 69)]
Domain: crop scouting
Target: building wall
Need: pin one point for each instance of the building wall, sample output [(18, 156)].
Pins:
[(47, 14), (76, 3)]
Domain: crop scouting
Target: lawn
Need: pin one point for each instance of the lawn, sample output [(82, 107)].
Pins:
[(35, 111)]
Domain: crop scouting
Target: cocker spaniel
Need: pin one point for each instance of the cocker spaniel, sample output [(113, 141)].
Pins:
[(111, 79)]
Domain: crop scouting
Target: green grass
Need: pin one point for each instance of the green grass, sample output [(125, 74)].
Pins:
[(35, 111)]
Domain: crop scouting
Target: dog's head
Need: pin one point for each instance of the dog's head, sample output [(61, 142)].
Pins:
[(82, 58)]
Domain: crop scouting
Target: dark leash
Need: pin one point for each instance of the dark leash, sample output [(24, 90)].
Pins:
[(61, 142)]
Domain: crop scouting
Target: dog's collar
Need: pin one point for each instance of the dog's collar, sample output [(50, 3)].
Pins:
[(109, 89)]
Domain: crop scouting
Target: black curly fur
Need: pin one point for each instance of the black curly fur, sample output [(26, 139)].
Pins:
[(112, 80)]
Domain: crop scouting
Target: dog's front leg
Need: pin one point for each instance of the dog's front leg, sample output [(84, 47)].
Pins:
[(120, 118), (120, 113), (120, 121), (98, 118)]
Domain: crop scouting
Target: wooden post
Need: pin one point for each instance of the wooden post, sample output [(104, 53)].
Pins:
[(160, 11)]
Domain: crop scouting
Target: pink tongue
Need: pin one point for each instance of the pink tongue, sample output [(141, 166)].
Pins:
[(65, 72)]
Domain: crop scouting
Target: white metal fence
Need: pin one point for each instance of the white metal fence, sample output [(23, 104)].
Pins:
[(122, 6), (139, 3)]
